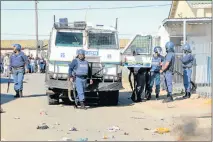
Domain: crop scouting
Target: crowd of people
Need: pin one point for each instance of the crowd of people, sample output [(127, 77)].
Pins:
[(35, 65)]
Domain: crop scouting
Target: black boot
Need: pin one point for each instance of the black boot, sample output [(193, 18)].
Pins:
[(189, 94), (157, 96), (82, 105), (149, 96), (186, 95), (17, 94), (168, 99)]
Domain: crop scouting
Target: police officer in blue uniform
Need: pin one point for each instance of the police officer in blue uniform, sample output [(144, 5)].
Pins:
[(187, 63), (79, 71), (168, 69), (155, 72), (18, 63)]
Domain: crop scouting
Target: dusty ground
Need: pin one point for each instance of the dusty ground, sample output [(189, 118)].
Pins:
[(23, 115)]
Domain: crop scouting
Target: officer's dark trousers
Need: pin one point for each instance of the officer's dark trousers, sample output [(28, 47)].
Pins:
[(80, 87), (187, 79), (140, 83), (155, 77), (168, 75), (18, 77)]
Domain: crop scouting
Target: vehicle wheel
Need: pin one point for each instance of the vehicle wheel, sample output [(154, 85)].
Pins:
[(66, 101), (113, 98), (109, 98), (53, 99)]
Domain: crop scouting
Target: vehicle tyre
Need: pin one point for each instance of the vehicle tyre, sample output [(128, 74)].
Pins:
[(66, 101), (108, 98), (113, 97), (53, 99)]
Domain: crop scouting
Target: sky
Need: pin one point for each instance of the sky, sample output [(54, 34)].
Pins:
[(130, 21)]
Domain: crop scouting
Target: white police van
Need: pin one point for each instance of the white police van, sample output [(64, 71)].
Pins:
[(102, 52)]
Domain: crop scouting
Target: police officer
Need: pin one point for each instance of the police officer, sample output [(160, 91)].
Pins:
[(79, 71), (18, 63), (168, 69), (187, 63), (155, 72)]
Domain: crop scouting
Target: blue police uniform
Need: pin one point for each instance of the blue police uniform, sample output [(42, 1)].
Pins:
[(187, 63), (79, 69), (17, 67), (168, 72), (155, 74), (41, 64)]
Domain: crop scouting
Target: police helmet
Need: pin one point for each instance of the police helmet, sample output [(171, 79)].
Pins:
[(158, 49), (186, 47), (17, 46), (81, 51), (170, 47)]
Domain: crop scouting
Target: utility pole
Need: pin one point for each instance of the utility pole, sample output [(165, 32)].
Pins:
[(36, 24)]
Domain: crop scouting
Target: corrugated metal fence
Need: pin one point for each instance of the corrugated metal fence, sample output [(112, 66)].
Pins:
[(201, 72)]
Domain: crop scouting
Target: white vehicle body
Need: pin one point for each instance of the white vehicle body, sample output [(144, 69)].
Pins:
[(100, 43)]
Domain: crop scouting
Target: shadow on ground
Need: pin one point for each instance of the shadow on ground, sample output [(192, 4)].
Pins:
[(6, 98), (6, 80)]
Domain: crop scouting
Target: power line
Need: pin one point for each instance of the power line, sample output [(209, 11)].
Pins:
[(41, 35), (21, 34), (97, 8)]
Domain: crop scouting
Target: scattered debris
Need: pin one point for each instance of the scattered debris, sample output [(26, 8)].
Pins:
[(105, 137), (208, 102), (113, 129), (66, 139), (61, 105), (126, 133), (73, 129), (146, 129), (57, 123), (162, 130), (43, 112), (42, 126), (137, 117), (16, 117)]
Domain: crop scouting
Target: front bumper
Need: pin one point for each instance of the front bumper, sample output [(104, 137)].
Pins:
[(96, 86)]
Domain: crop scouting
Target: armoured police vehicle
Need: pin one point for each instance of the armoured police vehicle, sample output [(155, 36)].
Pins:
[(102, 52)]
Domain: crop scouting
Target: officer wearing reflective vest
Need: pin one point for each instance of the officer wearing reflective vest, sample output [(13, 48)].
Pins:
[(187, 63), (168, 69), (155, 72), (18, 63), (79, 71)]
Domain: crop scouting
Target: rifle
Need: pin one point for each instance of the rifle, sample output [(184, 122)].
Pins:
[(194, 86)]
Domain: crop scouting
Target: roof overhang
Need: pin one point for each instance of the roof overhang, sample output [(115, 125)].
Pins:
[(188, 21)]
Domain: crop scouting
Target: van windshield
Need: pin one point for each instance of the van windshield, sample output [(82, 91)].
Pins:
[(69, 39), (102, 40)]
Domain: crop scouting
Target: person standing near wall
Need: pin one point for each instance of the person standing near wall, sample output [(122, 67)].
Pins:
[(187, 63)]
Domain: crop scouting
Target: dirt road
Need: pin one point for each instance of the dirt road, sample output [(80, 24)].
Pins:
[(138, 120)]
